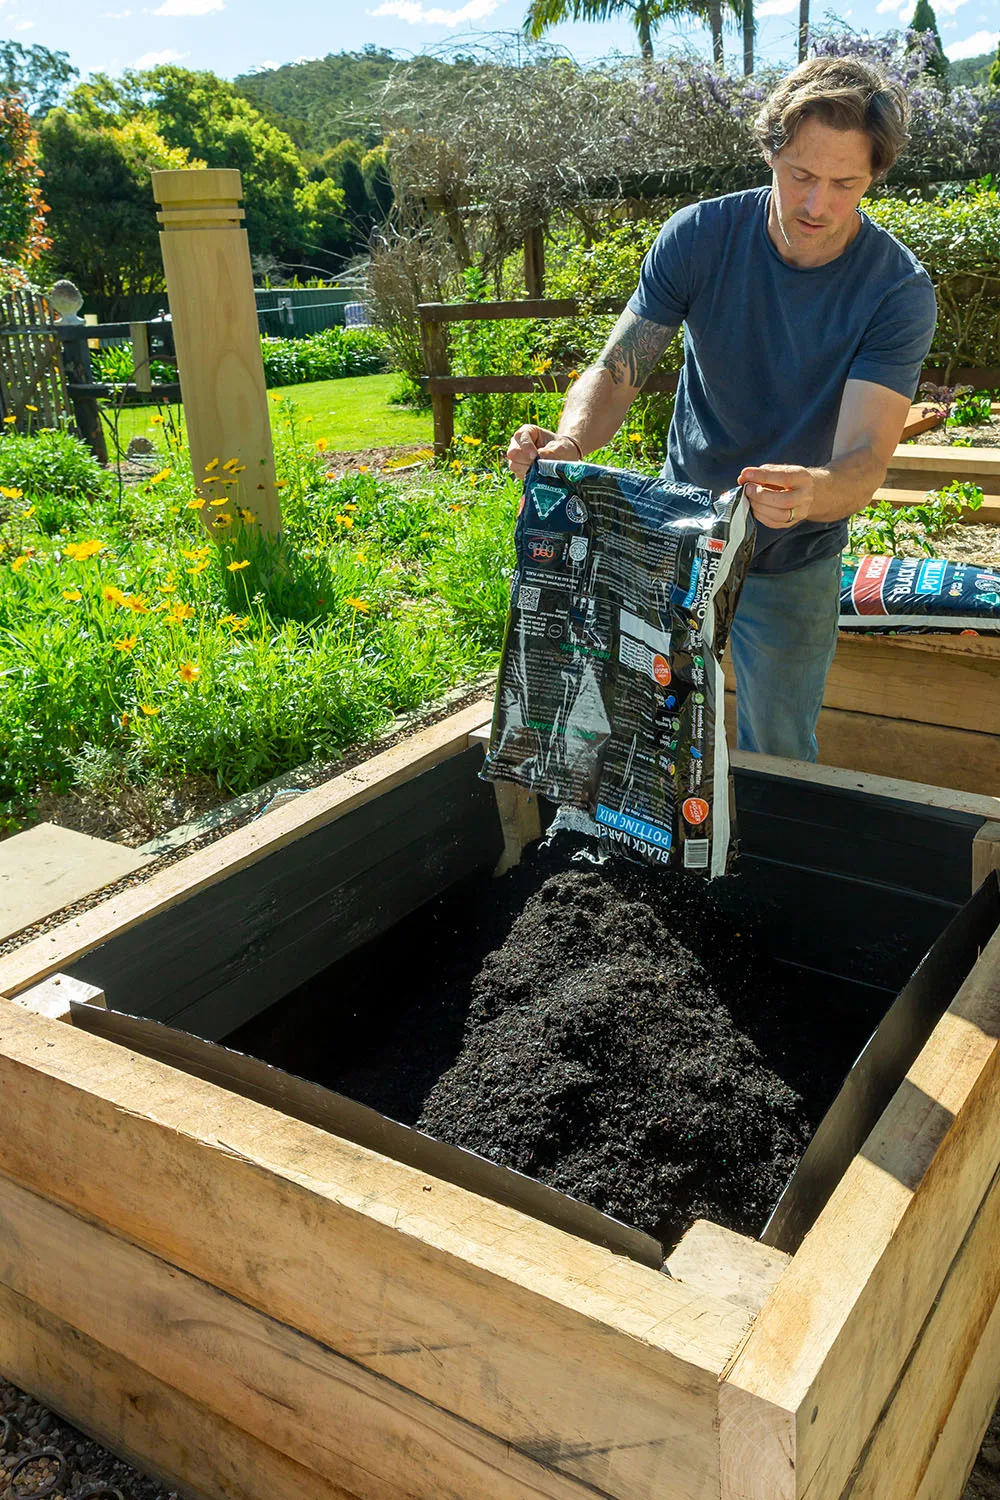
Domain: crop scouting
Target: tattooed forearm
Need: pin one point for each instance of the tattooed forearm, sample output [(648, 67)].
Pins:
[(634, 349)]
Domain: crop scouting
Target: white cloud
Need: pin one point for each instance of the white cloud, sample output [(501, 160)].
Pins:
[(980, 41), (188, 7), (886, 5), (949, 7), (906, 12), (158, 59), (416, 14)]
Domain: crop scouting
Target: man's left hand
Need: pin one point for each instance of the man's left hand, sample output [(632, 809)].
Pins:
[(780, 495)]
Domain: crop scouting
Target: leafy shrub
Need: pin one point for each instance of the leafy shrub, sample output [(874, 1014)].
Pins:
[(329, 355), (115, 366), (883, 528), (970, 408), (53, 472)]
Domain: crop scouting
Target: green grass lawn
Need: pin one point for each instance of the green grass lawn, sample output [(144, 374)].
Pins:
[(350, 414)]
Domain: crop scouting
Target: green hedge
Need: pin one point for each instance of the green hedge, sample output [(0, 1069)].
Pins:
[(330, 355)]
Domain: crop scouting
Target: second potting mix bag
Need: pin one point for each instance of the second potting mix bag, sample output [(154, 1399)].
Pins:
[(610, 695), (919, 594)]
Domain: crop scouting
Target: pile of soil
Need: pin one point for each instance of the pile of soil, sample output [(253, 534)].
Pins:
[(606, 1054)]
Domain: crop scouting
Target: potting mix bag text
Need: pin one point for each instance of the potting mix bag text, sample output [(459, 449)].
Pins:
[(610, 693), (919, 593)]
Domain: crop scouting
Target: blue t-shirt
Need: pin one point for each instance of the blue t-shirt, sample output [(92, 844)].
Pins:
[(769, 346)]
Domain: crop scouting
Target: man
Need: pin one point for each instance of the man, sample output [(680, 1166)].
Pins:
[(806, 328)]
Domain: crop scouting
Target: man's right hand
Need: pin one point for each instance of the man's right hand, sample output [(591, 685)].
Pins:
[(529, 443)]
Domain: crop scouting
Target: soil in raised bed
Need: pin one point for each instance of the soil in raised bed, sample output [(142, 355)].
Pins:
[(609, 1030)]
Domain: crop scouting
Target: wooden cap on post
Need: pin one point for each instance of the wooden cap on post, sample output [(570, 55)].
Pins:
[(206, 259)]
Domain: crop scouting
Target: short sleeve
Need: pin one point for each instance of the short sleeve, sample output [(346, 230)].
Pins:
[(663, 294), (898, 338)]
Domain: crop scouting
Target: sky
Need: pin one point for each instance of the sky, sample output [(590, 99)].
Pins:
[(235, 36)]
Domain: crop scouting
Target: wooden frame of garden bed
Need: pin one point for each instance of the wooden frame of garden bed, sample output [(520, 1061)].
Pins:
[(250, 1306)]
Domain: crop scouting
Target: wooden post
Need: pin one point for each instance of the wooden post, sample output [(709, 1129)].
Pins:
[(142, 374), (435, 341), (206, 259), (72, 333), (534, 261)]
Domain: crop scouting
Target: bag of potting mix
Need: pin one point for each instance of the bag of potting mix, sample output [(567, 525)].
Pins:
[(610, 695), (919, 594)]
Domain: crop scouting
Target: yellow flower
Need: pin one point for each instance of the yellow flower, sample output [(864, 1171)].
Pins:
[(321, 445), (454, 507), (167, 588), (635, 437), (126, 643), (8, 420), (125, 721), (473, 478), (542, 366), (198, 568), (29, 407), (223, 520), (29, 512), (307, 419), (573, 375), (210, 466), (361, 555), (222, 500), (472, 442), (234, 567), (80, 551), (157, 422), (279, 484), (230, 464), (361, 605), (246, 516), (136, 603), (363, 468), (195, 554), (456, 465), (235, 622), (350, 506), (196, 504), (9, 492), (163, 474), (179, 611), (147, 708), (18, 562), (71, 595), (346, 521), (188, 671), (112, 594)]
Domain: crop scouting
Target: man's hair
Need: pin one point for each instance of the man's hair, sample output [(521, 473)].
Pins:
[(845, 93)]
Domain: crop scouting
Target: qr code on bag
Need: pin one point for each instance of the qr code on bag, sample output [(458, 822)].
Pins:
[(527, 599)]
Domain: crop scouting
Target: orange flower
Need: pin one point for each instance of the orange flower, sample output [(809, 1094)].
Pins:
[(188, 671)]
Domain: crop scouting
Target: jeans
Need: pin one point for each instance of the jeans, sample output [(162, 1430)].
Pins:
[(782, 643)]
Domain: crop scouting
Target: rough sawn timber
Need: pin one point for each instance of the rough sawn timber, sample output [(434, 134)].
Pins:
[(849, 1374)]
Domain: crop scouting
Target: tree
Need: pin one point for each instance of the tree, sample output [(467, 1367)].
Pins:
[(22, 211), (206, 117), (105, 235), (803, 29), (994, 78), (645, 15), (38, 75), (924, 20), (748, 32)]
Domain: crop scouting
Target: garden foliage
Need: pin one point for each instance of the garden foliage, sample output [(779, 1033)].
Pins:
[(137, 649), (22, 209)]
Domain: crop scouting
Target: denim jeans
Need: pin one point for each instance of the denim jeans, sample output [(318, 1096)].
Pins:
[(782, 643)]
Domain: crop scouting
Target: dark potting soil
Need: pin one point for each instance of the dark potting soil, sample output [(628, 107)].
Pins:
[(610, 1030)]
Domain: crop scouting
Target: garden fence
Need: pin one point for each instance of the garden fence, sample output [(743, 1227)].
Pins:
[(443, 387), (31, 374)]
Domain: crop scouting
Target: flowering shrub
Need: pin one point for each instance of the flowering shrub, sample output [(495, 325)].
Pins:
[(22, 211)]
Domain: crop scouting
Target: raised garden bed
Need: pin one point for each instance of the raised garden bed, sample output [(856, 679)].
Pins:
[(213, 1267)]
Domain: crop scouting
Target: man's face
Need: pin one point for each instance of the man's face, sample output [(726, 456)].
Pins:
[(818, 180)]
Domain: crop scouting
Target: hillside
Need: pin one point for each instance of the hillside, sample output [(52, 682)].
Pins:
[(971, 70), (326, 99)]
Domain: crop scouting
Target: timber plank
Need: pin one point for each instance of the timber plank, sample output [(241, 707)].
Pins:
[(967, 1421), (793, 1409), (349, 1427), (900, 748), (604, 1370), (228, 952), (932, 464), (898, 1453), (873, 675), (143, 1419), (43, 955)]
